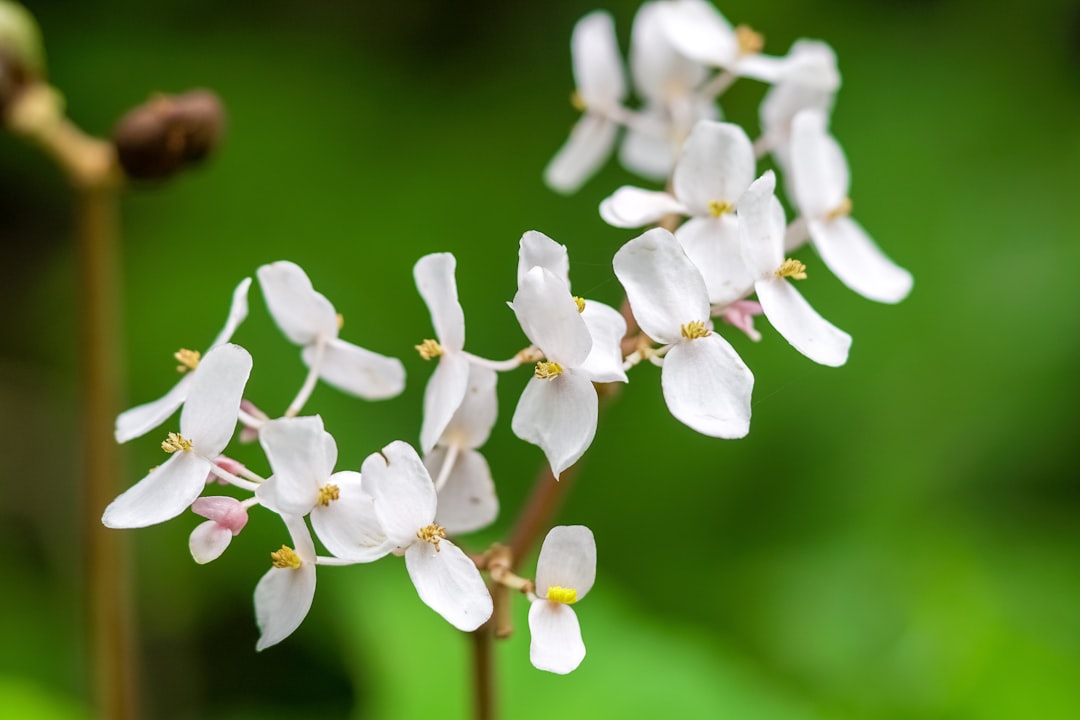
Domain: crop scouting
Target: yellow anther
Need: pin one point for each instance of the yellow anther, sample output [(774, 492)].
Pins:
[(792, 269), (580, 303), (562, 595), (286, 557), (720, 207), (432, 533), (546, 370), (188, 359), (695, 329), (328, 493), (577, 101), (750, 41), (429, 349), (340, 321), (841, 210), (176, 442)]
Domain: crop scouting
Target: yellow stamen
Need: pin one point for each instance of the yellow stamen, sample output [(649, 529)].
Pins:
[(792, 269), (546, 370), (695, 329), (577, 101), (562, 595), (429, 349), (580, 303), (328, 493), (720, 207), (340, 321), (286, 557), (188, 359), (750, 41), (841, 210), (432, 534), (176, 442)]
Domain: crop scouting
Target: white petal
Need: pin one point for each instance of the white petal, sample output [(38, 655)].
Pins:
[(213, 402), (598, 69), (707, 387), (631, 207), (348, 526), (607, 328), (859, 263), (661, 74), (559, 415), (819, 170), (302, 313), (648, 148), (717, 164), (141, 419), (567, 559), (282, 601), (550, 318), (762, 227), (357, 371), (713, 245), (556, 644), (301, 455), (535, 249), (589, 146), (238, 311), (166, 492), (467, 501), (449, 583), (404, 494), (699, 31), (434, 275), (766, 68), (208, 541), (443, 396), (664, 288), (472, 423), (809, 333)]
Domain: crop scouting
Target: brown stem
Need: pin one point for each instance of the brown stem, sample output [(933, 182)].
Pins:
[(483, 657)]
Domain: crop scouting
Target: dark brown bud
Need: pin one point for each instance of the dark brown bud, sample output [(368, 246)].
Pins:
[(169, 133)]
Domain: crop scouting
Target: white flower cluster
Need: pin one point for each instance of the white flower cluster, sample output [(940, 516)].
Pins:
[(733, 246)]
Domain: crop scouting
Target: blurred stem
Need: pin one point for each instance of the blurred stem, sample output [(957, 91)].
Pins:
[(483, 656)]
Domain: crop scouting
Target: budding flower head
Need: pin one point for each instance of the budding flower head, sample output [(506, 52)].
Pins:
[(169, 132)]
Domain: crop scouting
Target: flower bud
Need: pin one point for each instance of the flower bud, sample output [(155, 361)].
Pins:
[(168, 133), (21, 56)]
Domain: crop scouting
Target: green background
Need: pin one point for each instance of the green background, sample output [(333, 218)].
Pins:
[(897, 538)]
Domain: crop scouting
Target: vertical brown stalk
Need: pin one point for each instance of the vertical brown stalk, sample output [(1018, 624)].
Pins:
[(483, 657)]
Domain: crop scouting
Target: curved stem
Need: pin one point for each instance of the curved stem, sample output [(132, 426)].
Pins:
[(500, 365), (447, 466), (309, 382), (233, 479)]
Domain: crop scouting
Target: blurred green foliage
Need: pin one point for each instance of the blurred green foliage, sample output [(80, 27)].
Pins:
[(895, 539)]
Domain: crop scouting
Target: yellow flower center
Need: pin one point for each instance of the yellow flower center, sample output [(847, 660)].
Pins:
[(340, 321), (286, 557), (580, 303), (429, 349), (432, 534), (188, 359), (547, 370), (695, 329), (328, 493), (720, 207), (791, 269), (176, 442), (750, 41), (841, 210), (577, 101), (562, 595)]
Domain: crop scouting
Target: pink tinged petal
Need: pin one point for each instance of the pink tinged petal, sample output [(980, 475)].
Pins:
[(567, 560), (809, 333), (349, 526), (697, 30), (467, 501), (208, 541), (449, 583), (598, 68), (648, 147), (537, 249), (166, 492), (559, 415), (302, 455), (661, 74), (663, 286), (550, 318), (226, 512), (434, 275), (589, 146), (404, 493), (607, 328), (472, 423), (707, 387), (302, 313), (556, 644), (819, 170), (443, 396), (762, 227), (213, 403), (853, 257), (712, 244), (282, 600), (357, 371), (740, 314), (631, 207), (141, 419), (238, 312), (717, 165)]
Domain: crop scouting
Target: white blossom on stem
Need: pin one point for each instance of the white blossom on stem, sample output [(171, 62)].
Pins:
[(565, 572), (207, 422), (697, 30), (284, 594)]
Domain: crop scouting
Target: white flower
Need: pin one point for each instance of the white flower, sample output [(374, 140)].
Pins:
[(206, 425), (821, 183), (565, 572), (706, 385), (762, 224), (226, 517), (284, 594), (405, 503), (142, 419), (601, 88), (308, 319)]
